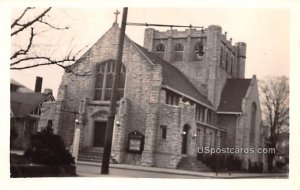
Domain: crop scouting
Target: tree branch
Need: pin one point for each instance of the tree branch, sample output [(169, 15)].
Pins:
[(54, 27), (48, 61), (15, 23), (24, 26), (22, 51)]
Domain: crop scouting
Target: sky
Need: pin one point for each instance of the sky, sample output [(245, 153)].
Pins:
[(265, 30)]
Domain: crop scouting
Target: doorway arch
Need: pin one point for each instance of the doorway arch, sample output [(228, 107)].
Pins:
[(185, 135)]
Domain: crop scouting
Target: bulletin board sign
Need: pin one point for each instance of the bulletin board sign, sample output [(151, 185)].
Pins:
[(135, 142)]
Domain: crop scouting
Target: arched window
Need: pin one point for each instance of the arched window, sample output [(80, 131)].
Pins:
[(104, 80), (160, 48), (178, 47), (252, 122)]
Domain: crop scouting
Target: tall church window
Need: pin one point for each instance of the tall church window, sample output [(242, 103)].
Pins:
[(104, 80), (252, 122)]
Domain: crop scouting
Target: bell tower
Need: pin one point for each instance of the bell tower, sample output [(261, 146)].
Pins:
[(204, 56)]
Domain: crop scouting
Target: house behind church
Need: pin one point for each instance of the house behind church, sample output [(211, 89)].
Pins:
[(182, 90), (25, 112)]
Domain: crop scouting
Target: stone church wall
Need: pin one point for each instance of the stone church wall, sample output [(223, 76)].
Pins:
[(168, 151), (228, 122), (251, 97)]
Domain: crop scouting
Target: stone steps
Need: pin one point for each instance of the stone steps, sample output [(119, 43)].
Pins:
[(94, 154), (192, 164)]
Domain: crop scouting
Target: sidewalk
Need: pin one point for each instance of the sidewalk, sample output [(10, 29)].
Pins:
[(91, 169)]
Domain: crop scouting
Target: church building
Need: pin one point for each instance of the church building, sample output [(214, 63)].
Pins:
[(180, 91)]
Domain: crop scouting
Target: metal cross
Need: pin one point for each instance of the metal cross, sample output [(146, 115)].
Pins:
[(116, 13)]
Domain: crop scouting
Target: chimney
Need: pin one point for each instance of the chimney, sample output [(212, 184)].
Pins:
[(48, 91), (38, 84)]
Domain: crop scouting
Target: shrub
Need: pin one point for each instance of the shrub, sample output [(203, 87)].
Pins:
[(48, 149), (221, 162)]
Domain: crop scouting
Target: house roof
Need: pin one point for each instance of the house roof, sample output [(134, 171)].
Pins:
[(174, 78), (16, 83), (232, 95), (23, 104), (19, 86)]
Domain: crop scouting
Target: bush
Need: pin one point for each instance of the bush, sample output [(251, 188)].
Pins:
[(221, 162), (48, 149)]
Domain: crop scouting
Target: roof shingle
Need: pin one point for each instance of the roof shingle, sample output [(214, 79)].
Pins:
[(232, 95), (23, 104)]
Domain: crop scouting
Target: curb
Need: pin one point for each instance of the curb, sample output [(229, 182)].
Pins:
[(180, 172)]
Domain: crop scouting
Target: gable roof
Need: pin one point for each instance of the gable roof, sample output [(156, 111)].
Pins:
[(232, 95), (23, 104), (174, 78), (15, 85)]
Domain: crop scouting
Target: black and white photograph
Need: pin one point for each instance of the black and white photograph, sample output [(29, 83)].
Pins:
[(132, 92)]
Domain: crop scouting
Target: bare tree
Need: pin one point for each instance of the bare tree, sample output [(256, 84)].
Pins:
[(275, 105), (28, 54)]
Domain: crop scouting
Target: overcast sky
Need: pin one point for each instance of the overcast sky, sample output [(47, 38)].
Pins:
[(265, 30)]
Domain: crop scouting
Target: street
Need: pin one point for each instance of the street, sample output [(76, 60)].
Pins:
[(92, 171)]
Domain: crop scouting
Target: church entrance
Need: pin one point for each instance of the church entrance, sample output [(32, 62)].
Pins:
[(99, 133), (184, 139)]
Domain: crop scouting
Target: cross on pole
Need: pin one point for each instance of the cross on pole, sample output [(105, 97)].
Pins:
[(116, 13)]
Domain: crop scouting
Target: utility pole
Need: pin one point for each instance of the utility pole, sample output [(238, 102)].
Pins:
[(113, 100)]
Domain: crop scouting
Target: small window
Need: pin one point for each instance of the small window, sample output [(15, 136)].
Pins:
[(179, 47), (160, 47), (163, 132)]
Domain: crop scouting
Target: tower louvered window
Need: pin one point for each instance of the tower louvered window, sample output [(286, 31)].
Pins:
[(160, 48)]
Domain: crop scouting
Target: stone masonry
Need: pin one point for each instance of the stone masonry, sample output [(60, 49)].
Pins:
[(171, 129)]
